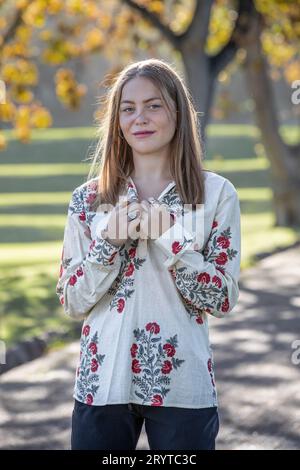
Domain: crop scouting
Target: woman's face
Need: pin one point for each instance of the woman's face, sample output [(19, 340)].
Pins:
[(142, 109)]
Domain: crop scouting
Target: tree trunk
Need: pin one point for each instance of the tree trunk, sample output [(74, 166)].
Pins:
[(200, 82), (284, 159)]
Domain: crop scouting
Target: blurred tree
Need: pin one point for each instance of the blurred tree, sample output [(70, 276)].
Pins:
[(272, 40), (208, 36), (54, 32), (258, 34)]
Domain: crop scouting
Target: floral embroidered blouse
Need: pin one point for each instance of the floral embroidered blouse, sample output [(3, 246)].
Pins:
[(145, 335)]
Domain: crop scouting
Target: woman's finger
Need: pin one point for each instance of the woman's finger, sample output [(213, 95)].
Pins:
[(133, 228)]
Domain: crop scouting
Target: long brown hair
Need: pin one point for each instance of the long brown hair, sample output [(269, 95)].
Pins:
[(113, 160)]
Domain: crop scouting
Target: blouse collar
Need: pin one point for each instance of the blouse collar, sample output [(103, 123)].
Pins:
[(133, 193)]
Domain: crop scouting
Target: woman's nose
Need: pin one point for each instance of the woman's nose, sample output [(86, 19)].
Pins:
[(141, 116)]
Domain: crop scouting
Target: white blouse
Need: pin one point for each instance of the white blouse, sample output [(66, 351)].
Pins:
[(145, 305)]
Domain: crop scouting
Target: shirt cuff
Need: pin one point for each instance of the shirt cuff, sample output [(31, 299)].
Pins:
[(174, 242), (104, 253)]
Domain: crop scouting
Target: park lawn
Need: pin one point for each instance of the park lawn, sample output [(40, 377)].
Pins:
[(36, 182)]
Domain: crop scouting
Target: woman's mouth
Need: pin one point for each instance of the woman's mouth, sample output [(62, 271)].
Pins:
[(142, 135)]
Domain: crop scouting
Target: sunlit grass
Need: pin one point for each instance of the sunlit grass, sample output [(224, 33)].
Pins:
[(11, 199), (222, 165), (29, 254), (260, 236), (44, 169), (55, 133)]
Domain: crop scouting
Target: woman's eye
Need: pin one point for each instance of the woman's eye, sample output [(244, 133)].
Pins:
[(151, 105)]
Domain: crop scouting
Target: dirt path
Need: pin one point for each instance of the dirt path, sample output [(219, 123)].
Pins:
[(258, 384)]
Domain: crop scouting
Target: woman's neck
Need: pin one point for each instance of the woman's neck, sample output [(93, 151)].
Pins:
[(151, 167)]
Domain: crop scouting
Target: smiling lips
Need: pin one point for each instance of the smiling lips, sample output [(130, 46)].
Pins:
[(143, 134)]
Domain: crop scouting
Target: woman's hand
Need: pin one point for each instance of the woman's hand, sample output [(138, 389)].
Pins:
[(119, 227), (155, 220)]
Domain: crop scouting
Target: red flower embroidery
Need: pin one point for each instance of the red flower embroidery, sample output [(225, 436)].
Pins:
[(222, 258), (203, 277), (93, 348), (135, 366), (62, 300), (86, 330), (209, 365), (79, 272), (91, 198), (215, 224), (133, 350), (82, 216), (176, 247), (153, 327), (225, 305), (167, 367), (121, 305), (156, 400), (199, 320), (132, 252), (89, 399), (73, 280), (130, 270), (88, 382), (152, 364), (223, 242), (170, 350), (217, 281), (94, 365), (93, 186)]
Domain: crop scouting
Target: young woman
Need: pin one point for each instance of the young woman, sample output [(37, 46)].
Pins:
[(145, 295)]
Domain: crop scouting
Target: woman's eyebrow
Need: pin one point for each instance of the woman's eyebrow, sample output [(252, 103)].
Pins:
[(145, 101)]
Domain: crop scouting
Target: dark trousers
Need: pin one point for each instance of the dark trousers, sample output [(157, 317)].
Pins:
[(118, 427)]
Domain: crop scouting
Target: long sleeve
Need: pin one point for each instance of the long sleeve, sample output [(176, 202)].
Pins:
[(207, 279), (88, 267)]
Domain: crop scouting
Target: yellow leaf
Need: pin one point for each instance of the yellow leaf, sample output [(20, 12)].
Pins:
[(41, 118)]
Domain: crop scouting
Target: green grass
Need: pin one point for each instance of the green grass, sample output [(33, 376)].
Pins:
[(36, 182)]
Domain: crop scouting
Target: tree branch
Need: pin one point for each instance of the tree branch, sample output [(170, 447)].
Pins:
[(155, 21), (198, 28), (17, 21), (218, 62)]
